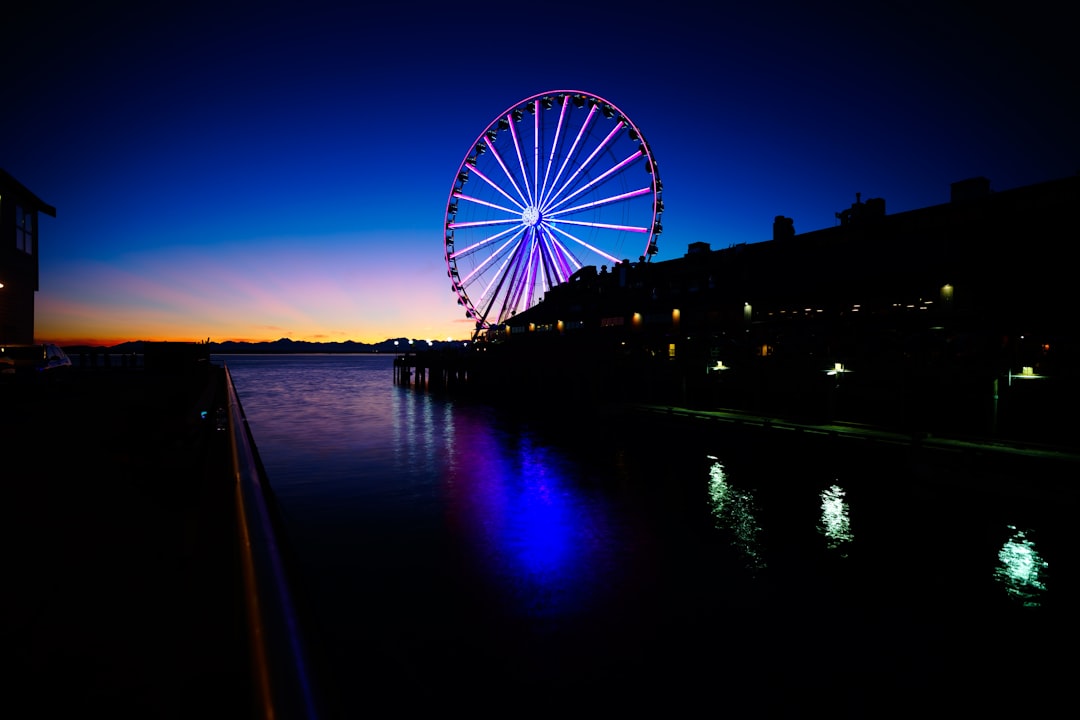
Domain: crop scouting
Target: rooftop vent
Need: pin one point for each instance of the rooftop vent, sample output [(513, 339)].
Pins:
[(783, 228)]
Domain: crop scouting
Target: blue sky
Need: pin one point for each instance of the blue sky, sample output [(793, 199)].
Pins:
[(250, 171)]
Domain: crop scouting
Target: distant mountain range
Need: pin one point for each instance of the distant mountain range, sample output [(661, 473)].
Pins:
[(282, 346)]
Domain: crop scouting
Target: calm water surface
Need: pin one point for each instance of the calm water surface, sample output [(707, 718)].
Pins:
[(515, 562)]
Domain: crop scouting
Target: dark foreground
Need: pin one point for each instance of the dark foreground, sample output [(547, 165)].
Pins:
[(122, 593), (123, 590)]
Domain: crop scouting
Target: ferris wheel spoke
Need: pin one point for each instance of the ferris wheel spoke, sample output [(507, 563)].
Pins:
[(517, 262), (482, 223), (543, 270), (601, 226), (497, 279), (595, 182), (586, 245), (567, 259), (468, 198), (572, 152), (521, 161), (476, 246), (587, 164), (554, 148), (525, 279), (498, 188), (490, 293), (597, 203), (556, 269), (509, 177)]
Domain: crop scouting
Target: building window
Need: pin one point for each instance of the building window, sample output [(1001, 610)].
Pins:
[(24, 230)]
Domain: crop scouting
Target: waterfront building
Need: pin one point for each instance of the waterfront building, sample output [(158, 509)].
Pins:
[(956, 318), (19, 210)]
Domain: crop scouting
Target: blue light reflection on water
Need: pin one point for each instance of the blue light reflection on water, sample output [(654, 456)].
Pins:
[(448, 541), (531, 528)]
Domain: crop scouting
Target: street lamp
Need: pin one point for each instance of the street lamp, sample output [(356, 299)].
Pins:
[(837, 369)]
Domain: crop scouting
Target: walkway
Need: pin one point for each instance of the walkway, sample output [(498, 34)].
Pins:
[(122, 592), (980, 446)]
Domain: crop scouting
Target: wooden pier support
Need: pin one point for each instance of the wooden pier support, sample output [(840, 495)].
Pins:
[(431, 370)]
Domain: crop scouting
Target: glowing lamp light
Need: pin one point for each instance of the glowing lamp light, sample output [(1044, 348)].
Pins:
[(1027, 372), (837, 369)]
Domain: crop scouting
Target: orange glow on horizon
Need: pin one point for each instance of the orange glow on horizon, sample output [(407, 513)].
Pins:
[(113, 342)]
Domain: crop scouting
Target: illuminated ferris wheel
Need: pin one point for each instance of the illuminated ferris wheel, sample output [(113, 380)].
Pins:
[(557, 182)]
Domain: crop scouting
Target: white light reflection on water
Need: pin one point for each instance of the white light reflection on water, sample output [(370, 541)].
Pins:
[(835, 522), (734, 510), (1020, 569), (422, 432)]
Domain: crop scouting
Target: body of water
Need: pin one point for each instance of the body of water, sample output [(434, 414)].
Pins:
[(531, 558)]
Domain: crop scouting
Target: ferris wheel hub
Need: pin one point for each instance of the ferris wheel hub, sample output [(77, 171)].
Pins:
[(531, 216)]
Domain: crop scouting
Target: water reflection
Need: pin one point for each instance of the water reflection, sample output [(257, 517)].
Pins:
[(542, 539), (734, 511), (1021, 570), (835, 523)]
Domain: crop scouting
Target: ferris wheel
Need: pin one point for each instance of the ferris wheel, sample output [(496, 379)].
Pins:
[(559, 181)]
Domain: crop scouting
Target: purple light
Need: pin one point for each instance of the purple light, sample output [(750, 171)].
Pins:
[(521, 162), (597, 180), (469, 198), (626, 228), (515, 223), (588, 163), (497, 187), (604, 201)]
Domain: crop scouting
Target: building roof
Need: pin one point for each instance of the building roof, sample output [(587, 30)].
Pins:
[(9, 184)]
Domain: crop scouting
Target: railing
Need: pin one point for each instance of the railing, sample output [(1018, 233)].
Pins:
[(282, 685)]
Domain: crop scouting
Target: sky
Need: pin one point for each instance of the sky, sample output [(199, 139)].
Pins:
[(253, 171)]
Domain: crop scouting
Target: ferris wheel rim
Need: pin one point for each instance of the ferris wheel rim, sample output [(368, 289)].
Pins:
[(526, 204)]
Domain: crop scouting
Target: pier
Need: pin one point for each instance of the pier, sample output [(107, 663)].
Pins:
[(433, 369), (599, 385)]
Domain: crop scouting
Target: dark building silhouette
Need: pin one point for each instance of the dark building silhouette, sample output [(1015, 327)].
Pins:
[(958, 317), (19, 209)]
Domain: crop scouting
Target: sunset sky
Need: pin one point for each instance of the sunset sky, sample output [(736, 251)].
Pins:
[(253, 171)]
